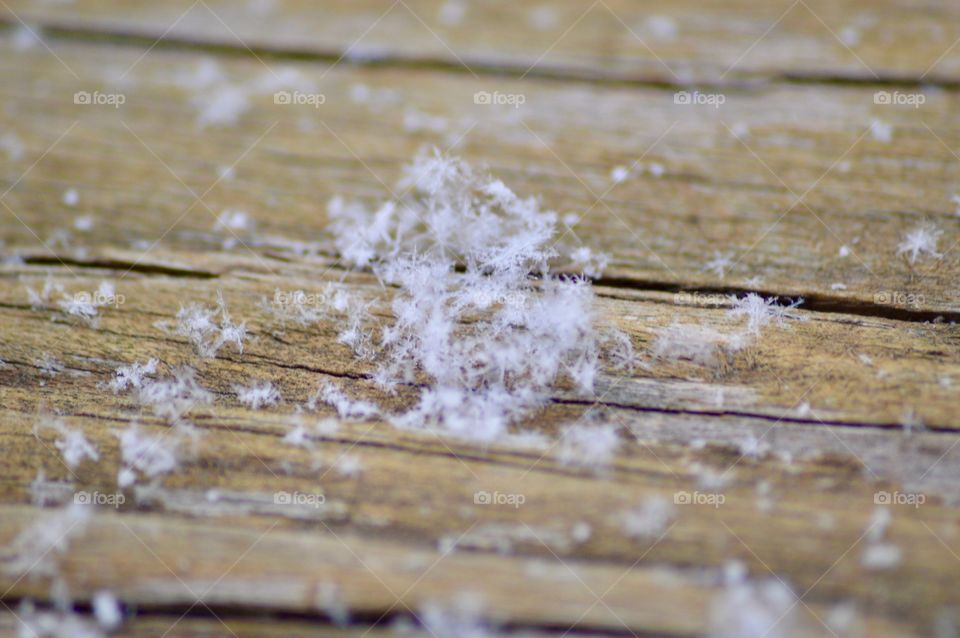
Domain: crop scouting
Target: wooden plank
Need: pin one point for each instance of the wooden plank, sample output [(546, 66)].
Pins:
[(819, 488), (783, 204), (802, 433), (650, 41), (281, 571)]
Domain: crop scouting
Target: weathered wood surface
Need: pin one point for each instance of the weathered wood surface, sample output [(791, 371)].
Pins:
[(406, 531), (651, 41)]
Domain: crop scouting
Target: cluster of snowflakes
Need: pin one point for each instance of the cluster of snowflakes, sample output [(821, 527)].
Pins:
[(485, 327), (478, 314)]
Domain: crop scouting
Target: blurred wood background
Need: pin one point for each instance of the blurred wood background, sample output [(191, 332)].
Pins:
[(803, 182)]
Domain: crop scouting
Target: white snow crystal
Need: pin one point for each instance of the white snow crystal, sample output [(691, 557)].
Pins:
[(586, 445), (649, 520), (881, 131), (12, 146), (73, 444), (877, 556), (258, 394), (719, 264), (760, 312), (106, 610), (221, 106), (921, 240), (231, 219), (148, 455), (174, 396), (345, 407), (71, 197), (619, 174), (662, 27), (196, 323), (461, 618), (452, 12), (132, 375)]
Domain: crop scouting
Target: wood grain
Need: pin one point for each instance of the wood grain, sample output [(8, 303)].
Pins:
[(729, 42), (801, 432)]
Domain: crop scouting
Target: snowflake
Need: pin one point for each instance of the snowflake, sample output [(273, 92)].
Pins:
[(921, 240), (760, 312), (259, 394), (150, 456), (588, 445), (719, 265), (197, 323), (132, 375)]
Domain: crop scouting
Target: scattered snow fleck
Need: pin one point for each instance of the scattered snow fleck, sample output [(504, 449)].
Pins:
[(462, 618), (740, 130), (452, 12), (753, 448), (151, 456), (348, 465), (844, 251), (196, 323), (877, 553), (106, 609), (592, 446), (619, 174), (543, 17), (233, 220), (921, 240), (12, 146), (650, 520), (581, 532), (760, 312), (956, 200), (60, 623), (877, 556), (84, 223), (662, 27), (73, 445), (719, 264), (132, 375), (347, 408), (257, 395), (174, 396), (25, 37), (838, 286), (850, 36), (881, 131), (71, 197), (221, 106)]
